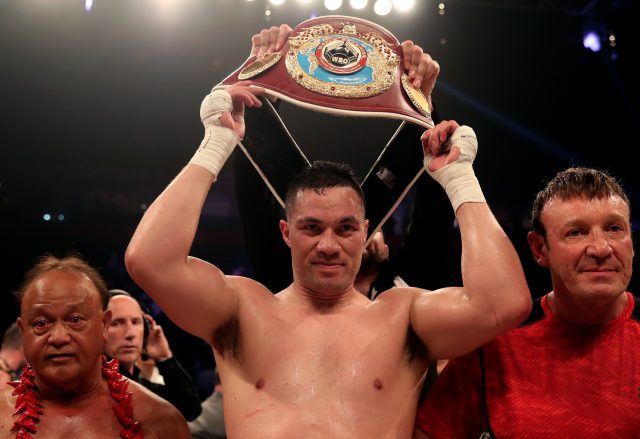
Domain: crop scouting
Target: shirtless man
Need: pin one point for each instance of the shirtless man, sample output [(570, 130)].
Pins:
[(70, 389), (319, 359)]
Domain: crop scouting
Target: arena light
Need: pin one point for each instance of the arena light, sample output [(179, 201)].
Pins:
[(591, 41), (332, 5), (403, 5), (88, 5), (276, 2), (382, 7), (358, 4)]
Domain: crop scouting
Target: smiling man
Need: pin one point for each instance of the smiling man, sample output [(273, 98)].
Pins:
[(319, 359), (68, 389), (572, 369)]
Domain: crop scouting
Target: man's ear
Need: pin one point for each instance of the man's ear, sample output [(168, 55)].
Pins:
[(284, 229), (538, 248), (366, 229), (106, 322)]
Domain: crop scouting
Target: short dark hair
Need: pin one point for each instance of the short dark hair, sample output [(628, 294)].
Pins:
[(321, 175), (575, 182), (12, 338), (72, 262)]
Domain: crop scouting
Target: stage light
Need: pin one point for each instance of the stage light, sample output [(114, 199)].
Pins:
[(358, 4), (332, 5), (403, 5), (591, 41), (382, 7), (46, 217), (276, 2), (88, 4)]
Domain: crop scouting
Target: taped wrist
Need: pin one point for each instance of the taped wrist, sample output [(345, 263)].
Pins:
[(458, 178), (218, 142)]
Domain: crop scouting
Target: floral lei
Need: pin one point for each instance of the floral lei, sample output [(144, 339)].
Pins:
[(29, 408)]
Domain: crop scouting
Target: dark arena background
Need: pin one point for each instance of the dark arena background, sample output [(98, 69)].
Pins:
[(99, 109)]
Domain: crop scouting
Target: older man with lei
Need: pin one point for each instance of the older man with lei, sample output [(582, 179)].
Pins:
[(69, 389)]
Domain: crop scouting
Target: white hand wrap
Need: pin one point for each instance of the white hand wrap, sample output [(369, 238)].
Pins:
[(458, 178), (218, 141)]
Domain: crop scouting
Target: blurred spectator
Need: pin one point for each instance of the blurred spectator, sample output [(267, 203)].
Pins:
[(11, 355), (210, 423), (133, 333)]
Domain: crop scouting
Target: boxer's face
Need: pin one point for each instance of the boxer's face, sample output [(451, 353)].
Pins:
[(326, 233)]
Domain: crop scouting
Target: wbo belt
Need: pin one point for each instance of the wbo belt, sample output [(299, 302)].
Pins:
[(340, 65), (344, 66)]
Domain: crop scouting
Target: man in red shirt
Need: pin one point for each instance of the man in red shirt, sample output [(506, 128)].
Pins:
[(572, 369)]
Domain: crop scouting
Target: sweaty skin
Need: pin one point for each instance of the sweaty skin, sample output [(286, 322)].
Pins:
[(319, 359)]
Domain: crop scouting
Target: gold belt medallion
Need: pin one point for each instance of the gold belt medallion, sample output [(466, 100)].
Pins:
[(341, 63)]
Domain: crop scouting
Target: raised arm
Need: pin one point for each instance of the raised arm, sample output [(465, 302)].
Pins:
[(196, 295), (495, 296)]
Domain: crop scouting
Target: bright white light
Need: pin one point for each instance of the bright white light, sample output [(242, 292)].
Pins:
[(46, 217), (591, 41), (382, 7), (403, 5), (276, 2), (332, 5), (168, 11), (88, 4), (358, 4)]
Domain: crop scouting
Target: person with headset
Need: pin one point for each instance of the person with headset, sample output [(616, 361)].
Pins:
[(132, 334)]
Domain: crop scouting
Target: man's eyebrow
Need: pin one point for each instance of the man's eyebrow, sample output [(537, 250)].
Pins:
[(348, 219), (43, 308), (308, 219)]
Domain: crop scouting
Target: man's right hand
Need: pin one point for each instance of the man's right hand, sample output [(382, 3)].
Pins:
[(450, 164), (269, 40)]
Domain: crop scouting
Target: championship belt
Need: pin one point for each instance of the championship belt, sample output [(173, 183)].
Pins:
[(343, 66)]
